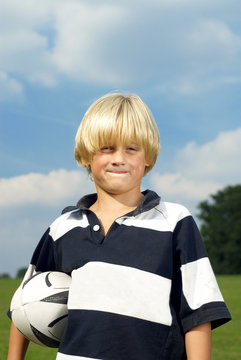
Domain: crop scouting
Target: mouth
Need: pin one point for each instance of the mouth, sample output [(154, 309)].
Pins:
[(117, 172)]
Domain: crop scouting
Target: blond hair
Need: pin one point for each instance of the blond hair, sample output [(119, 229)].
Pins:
[(115, 118)]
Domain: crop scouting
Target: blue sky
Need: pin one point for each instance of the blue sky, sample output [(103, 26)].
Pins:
[(182, 57)]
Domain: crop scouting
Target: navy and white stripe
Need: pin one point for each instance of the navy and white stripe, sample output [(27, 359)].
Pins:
[(137, 290), (121, 290)]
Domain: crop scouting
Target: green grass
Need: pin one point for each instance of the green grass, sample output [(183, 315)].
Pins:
[(226, 340)]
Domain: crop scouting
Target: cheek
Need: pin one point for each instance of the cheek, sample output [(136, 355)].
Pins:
[(97, 165), (140, 166)]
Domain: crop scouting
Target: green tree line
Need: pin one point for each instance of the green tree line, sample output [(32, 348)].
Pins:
[(20, 274), (221, 229)]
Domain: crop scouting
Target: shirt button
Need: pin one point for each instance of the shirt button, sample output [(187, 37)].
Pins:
[(96, 227)]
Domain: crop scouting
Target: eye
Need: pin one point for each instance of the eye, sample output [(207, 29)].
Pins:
[(106, 149), (132, 148)]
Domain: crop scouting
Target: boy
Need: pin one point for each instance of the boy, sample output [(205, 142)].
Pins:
[(142, 285)]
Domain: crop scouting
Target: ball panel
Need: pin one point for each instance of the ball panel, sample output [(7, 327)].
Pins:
[(58, 280), (56, 327), (21, 322), (51, 311), (45, 340), (56, 321), (59, 298), (48, 283)]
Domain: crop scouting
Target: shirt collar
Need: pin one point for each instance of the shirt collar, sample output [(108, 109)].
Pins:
[(150, 200)]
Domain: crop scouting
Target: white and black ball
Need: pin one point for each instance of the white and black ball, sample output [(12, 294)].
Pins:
[(39, 307)]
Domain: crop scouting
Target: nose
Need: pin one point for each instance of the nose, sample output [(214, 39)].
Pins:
[(118, 157)]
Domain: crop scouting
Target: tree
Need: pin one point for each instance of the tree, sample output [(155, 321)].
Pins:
[(221, 229), (21, 272), (4, 276)]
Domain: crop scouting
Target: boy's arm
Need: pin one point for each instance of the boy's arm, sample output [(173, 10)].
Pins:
[(198, 342), (18, 344)]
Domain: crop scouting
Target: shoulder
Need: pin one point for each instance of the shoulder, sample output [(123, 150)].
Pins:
[(66, 222), (171, 214), (172, 211), (162, 217)]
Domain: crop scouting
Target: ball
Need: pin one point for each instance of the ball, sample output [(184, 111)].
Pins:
[(39, 307)]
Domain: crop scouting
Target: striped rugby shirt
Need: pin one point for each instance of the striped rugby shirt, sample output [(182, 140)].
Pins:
[(135, 291)]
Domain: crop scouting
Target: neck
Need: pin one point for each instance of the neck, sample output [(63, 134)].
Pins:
[(129, 200)]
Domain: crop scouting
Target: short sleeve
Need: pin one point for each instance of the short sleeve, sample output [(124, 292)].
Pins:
[(196, 292), (43, 256)]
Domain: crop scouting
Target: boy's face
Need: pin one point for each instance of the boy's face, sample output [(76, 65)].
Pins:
[(118, 169)]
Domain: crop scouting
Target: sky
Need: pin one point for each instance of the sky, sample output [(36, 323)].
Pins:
[(182, 57)]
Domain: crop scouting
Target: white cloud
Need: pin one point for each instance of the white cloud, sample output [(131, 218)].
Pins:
[(176, 186), (186, 52), (18, 16), (28, 205), (57, 38), (218, 159), (9, 88), (20, 230), (214, 47), (24, 51), (208, 58), (201, 170), (209, 32), (81, 47), (51, 189)]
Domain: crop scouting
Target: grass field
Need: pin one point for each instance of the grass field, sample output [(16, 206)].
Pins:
[(226, 340)]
